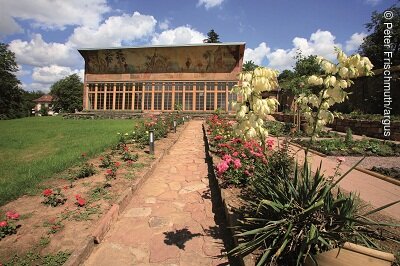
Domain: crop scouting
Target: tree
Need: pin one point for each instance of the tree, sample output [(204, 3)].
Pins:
[(67, 93), (373, 45), (213, 37), (249, 66), (10, 92)]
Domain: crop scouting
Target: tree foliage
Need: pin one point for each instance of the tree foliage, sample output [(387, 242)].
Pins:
[(67, 93), (213, 37), (10, 92), (249, 66), (373, 45), (295, 81)]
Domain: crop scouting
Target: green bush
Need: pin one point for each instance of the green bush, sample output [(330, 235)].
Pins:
[(291, 217), (86, 170)]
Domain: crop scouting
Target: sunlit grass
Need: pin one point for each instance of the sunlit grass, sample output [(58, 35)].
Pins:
[(36, 148)]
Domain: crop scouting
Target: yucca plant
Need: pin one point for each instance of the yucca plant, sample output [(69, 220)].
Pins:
[(292, 217)]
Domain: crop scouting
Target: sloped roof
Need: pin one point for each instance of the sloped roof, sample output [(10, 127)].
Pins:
[(45, 98)]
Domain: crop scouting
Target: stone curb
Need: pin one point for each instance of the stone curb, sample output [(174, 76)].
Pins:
[(230, 216), (83, 251), (310, 150), (380, 176)]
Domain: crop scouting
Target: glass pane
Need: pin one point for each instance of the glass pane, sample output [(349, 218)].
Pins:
[(221, 100), (118, 101), (91, 101), (210, 86), (128, 101), (109, 101)]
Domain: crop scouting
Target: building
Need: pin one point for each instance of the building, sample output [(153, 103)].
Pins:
[(44, 102), (195, 78)]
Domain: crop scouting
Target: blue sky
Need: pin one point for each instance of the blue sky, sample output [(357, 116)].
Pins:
[(45, 34)]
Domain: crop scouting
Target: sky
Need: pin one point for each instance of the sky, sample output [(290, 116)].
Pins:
[(45, 34)]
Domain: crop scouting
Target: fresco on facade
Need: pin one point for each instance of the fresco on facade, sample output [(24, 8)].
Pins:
[(190, 59)]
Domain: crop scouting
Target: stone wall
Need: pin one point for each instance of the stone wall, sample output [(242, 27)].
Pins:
[(368, 128)]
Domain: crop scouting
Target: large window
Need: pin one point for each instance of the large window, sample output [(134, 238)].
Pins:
[(221, 86), (167, 101), (147, 101), (232, 97), (221, 100), (118, 96), (91, 101), (188, 101), (100, 96), (157, 100), (210, 101), (199, 101), (109, 100), (138, 96)]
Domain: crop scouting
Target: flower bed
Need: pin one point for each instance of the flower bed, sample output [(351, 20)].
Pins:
[(280, 212), (388, 171), (51, 225)]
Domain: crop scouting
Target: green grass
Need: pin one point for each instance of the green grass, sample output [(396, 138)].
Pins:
[(36, 148)]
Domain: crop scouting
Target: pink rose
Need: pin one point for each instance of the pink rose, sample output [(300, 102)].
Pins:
[(235, 154), (237, 164), (3, 224), (227, 158), (222, 167)]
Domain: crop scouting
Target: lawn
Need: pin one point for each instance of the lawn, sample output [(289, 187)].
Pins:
[(36, 148)]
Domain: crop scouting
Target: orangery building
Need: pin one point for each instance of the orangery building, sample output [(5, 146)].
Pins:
[(192, 78)]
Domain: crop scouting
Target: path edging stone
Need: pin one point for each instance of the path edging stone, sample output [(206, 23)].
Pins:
[(82, 252)]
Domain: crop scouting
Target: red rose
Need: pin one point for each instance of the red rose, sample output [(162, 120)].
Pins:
[(117, 164), (81, 202), (77, 197), (47, 192), (3, 224), (65, 187), (12, 215), (109, 172), (101, 158)]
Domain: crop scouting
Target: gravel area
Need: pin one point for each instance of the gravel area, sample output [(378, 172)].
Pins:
[(371, 161)]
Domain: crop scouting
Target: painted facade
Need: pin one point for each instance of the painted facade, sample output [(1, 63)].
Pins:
[(162, 78)]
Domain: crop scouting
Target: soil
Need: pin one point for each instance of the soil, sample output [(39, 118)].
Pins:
[(77, 222)]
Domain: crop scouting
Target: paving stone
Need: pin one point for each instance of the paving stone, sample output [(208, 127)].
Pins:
[(159, 222), (150, 200), (192, 188), (160, 251), (138, 212), (175, 185)]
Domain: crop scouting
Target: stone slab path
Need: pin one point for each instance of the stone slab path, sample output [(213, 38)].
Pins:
[(170, 220), (375, 191)]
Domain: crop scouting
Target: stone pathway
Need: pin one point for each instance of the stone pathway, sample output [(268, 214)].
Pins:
[(170, 220), (373, 190)]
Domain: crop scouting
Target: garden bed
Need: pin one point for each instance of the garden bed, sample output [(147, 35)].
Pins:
[(223, 152), (52, 234)]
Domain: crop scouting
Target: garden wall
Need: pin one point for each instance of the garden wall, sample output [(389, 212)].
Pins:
[(368, 128)]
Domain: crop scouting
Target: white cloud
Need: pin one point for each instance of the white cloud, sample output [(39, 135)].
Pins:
[(51, 14), (209, 3), (180, 35), (355, 41), (320, 43), (37, 52), (51, 74), (164, 25), (114, 31), (8, 24), (257, 54)]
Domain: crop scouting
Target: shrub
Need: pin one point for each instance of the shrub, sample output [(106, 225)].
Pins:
[(86, 170), (7, 224), (106, 161), (349, 136), (53, 197), (291, 218)]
